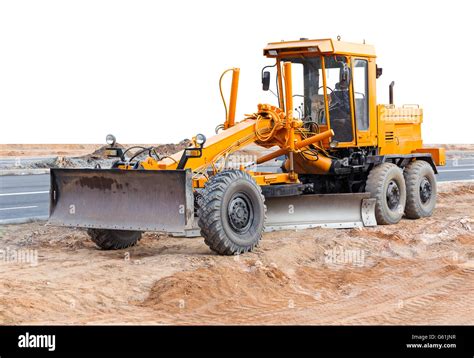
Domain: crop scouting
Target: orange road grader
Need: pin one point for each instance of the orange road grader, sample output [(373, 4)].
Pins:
[(345, 162)]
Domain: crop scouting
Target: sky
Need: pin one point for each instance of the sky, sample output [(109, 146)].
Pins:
[(148, 71)]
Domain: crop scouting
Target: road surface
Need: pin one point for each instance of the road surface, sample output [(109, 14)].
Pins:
[(26, 197)]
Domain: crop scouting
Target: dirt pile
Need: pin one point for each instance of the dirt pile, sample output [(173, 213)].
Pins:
[(162, 150), (168, 149), (58, 162), (250, 284)]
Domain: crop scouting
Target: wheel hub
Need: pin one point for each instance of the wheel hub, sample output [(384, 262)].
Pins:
[(240, 213), (425, 190), (393, 195)]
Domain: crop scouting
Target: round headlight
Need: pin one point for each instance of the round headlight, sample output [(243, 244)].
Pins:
[(110, 139), (334, 144), (200, 139)]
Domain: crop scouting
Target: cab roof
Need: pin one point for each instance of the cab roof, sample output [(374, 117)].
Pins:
[(322, 46)]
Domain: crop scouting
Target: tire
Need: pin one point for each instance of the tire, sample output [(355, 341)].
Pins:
[(114, 239), (386, 184), (231, 213), (421, 189)]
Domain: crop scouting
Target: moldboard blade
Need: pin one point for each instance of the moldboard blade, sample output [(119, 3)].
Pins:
[(140, 200), (320, 210)]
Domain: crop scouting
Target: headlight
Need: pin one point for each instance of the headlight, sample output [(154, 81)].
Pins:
[(200, 139), (110, 140)]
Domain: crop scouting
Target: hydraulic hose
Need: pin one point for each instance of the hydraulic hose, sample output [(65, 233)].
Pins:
[(222, 94)]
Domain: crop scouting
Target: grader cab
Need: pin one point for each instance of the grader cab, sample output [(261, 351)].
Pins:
[(346, 162)]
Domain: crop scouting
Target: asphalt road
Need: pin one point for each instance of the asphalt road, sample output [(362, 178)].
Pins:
[(457, 169), (26, 197)]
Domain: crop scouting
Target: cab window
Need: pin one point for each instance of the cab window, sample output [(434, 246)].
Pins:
[(361, 94), (308, 93)]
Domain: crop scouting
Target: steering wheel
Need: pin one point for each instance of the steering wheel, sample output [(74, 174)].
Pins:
[(335, 101), (329, 88)]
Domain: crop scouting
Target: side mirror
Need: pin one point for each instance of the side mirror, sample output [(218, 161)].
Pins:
[(378, 71), (266, 80), (345, 76)]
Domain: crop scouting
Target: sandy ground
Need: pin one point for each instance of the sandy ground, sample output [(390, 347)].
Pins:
[(416, 272)]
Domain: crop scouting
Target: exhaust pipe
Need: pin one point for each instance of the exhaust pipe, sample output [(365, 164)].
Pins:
[(390, 92)]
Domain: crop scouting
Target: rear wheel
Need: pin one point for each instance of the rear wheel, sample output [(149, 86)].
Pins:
[(114, 239), (421, 189), (231, 213), (386, 184)]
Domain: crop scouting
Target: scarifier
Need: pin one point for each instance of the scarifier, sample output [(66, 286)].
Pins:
[(345, 162)]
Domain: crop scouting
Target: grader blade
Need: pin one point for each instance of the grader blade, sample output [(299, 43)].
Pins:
[(320, 210), (139, 200)]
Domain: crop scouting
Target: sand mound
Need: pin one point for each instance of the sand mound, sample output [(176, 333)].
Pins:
[(192, 290), (168, 149)]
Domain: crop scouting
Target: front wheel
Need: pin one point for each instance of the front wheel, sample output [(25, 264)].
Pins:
[(231, 213), (114, 239)]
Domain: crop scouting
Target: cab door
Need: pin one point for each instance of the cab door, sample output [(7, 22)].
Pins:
[(361, 96)]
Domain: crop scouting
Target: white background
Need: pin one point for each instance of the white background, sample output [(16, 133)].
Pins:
[(147, 71)]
